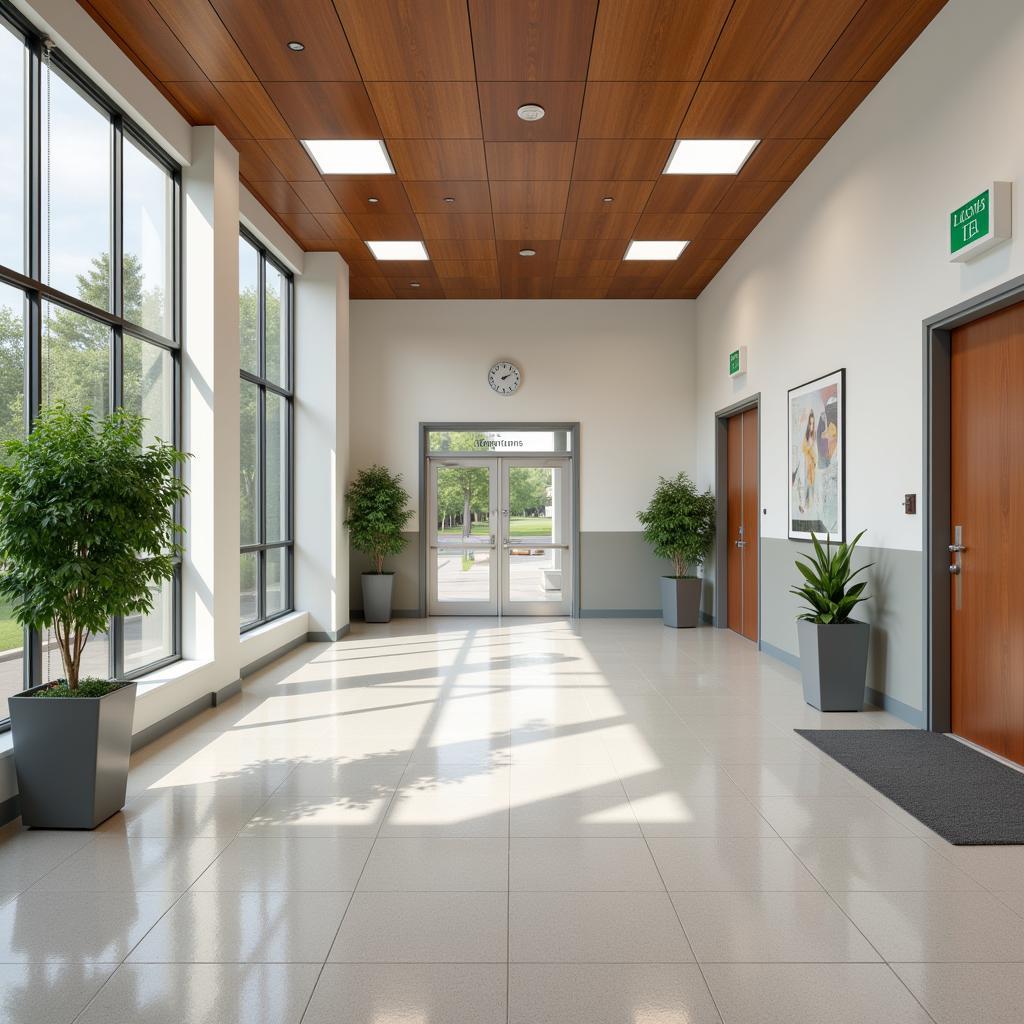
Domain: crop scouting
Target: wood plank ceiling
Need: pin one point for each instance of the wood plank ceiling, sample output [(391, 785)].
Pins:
[(440, 81)]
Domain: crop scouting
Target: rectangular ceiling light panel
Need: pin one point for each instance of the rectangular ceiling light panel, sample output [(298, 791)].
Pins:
[(349, 156), (398, 250), (709, 156), (654, 250)]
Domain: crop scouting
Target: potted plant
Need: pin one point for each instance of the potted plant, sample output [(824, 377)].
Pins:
[(833, 647), (378, 509), (679, 523), (87, 530)]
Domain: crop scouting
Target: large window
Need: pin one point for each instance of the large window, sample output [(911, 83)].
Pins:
[(265, 407), (89, 300)]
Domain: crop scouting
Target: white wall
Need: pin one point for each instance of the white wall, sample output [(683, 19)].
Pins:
[(846, 266), (623, 369)]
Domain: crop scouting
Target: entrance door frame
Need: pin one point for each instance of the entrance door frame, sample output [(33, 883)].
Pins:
[(720, 615), (938, 350), (573, 429)]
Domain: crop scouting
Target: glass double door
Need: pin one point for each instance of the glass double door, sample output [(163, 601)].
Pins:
[(500, 536)]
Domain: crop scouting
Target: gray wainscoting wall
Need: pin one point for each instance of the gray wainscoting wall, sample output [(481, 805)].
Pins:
[(895, 611)]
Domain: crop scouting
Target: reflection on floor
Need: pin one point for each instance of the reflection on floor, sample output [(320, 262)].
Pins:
[(453, 822)]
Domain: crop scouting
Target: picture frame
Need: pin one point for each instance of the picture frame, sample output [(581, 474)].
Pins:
[(816, 437)]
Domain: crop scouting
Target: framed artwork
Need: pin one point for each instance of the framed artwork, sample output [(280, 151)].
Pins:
[(817, 458)]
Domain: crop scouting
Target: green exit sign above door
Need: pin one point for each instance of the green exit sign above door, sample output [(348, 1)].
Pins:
[(738, 361), (980, 223)]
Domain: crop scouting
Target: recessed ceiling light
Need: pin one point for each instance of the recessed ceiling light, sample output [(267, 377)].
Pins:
[(449, 199), (372, 199), (296, 46), (654, 250), (607, 199), (414, 284), (349, 156), (398, 250), (527, 252), (530, 112), (709, 156)]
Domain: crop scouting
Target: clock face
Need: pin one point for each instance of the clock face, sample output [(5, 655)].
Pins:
[(504, 378)]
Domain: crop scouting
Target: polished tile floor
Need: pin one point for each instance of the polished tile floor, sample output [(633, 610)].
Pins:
[(542, 822)]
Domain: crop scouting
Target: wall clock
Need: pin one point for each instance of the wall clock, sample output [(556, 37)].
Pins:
[(504, 378)]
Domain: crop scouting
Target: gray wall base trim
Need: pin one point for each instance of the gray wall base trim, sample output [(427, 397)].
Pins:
[(780, 655), (219, 696), (10, 809), (255, 666), (172, 721), (912, 716), (327, 636), (396, 613), (620, 613)]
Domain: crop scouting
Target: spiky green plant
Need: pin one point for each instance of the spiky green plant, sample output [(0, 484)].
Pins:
[(828, 591)]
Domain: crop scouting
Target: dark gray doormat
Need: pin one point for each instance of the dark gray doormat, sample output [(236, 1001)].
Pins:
[(968, 798)]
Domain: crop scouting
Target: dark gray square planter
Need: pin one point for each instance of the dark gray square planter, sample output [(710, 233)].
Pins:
[(71, 755), (834, 664), (680, 601), (377, 588)]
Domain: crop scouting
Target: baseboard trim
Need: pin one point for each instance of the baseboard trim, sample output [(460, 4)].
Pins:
[(793, 660), (328, 636), (172, 721), (620, 613), (396, 613), (219, 696), (912, 716)]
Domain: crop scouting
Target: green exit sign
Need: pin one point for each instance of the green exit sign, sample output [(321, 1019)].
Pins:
[(738, 361), (980, 223)]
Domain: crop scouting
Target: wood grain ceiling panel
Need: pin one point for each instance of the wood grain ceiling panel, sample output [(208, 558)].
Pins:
[(625, 196), (325, 110), (417, 287), (636, 159), (562, 102), (407, 269), (438, 159), (152, 43), (655, 40), (203, 34), (201, 103), (254, 108), (619, 80), (689, 193), (532, 226), (370, 288), (316, 196), (263, 28), (766, 41), (291, 159), (508, 161), (635, 110), (409, 40), (532, 40), (736, 110), (426, 110), (465, 196), (529, 196), (456, 225), (354, 194)]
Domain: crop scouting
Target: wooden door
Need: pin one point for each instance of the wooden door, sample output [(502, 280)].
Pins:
[(987, 502), (742, 522)]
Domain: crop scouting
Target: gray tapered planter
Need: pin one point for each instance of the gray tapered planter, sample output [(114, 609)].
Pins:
[(680, 601), (377, 588), (834, 664), (71, 756)]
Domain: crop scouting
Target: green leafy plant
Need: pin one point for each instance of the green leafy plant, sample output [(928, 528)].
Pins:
[(378, 509), (679, 522), (87, 525), (828, 592)]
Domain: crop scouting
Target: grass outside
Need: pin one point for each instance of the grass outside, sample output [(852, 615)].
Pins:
[(519, 526), (11, 634)]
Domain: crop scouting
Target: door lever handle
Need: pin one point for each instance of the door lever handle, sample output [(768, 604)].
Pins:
[(741, 543)]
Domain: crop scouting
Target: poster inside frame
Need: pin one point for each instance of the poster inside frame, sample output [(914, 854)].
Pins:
[(817, 458)]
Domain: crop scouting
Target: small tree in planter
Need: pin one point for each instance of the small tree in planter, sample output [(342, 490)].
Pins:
[(679, 524), (378, 511), (833, 646), (87, 531)]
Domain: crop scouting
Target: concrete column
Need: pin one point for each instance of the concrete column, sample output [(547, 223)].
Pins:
[(210, 389), (322, 443)]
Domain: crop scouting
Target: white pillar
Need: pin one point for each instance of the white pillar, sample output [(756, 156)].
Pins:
[(321, 443), (210, 388)]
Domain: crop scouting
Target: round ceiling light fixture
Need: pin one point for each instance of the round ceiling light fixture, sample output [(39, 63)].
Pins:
[(449, 199), (527, 252), (414, 284), (296, 46), (530, 112), (372, 199), (607, 199)]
